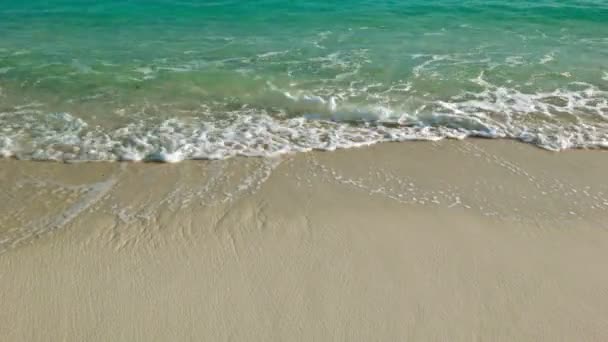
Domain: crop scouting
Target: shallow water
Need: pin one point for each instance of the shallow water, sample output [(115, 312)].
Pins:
[(171, 80)]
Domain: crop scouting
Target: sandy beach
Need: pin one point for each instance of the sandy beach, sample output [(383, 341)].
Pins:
[(473, 240)]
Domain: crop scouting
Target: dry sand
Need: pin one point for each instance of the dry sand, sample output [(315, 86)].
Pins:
[(449, 241)]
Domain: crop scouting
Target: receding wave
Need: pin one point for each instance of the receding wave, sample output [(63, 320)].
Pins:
[(225, 78)]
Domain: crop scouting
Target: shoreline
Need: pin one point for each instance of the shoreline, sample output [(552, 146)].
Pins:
[(448, 240), (178, 157)]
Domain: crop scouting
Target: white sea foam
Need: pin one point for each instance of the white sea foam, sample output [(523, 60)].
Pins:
[(547, 58), (272, 54), (575, 116), (514, 60), (7, 147), (419, 69)]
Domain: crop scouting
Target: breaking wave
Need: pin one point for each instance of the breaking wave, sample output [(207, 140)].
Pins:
[(572, 117)]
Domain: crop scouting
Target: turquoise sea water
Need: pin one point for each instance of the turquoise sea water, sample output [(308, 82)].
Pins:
[(180, 79)]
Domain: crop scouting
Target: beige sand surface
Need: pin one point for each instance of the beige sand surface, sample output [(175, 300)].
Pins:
[(449, 241)]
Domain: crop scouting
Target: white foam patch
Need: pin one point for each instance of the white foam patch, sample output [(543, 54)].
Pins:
[(550, 57), (7, 147), (425, 66), (271, 54), (514, 60)]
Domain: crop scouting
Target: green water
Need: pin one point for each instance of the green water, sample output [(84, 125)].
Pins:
[(174, 80)]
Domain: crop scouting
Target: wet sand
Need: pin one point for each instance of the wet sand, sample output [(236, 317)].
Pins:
[(452, 241)]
